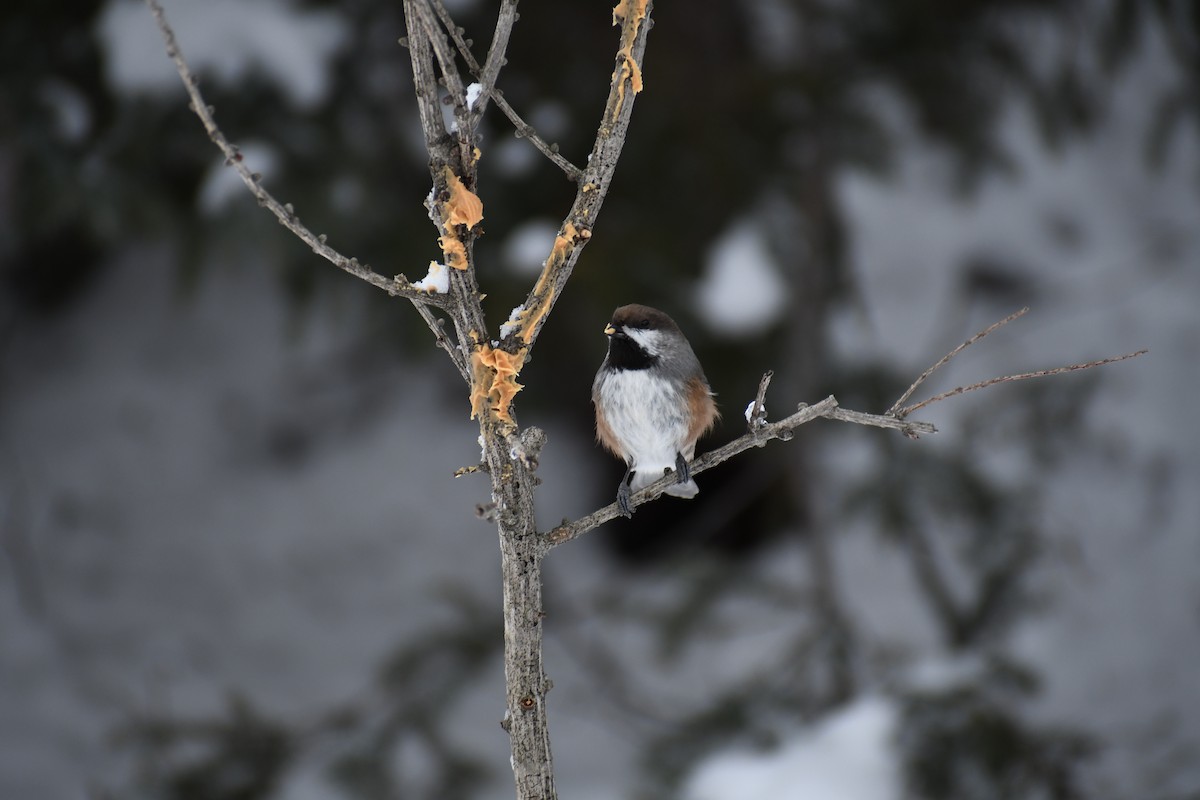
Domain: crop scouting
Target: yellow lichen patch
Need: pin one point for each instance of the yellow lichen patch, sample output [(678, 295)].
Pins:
[(629, 71), (453, 251), (622, 9), (476, 154), (530, 317), (481, 383), (562, 244), (635, 11), (464, 207), (494, 381), (534, 315)]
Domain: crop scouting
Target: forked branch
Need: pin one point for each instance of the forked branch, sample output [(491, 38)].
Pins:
[(487, 78), (1023, 376)]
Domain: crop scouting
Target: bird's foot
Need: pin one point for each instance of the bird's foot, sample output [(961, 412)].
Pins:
[(623, 500), (683, 472), (624, 495)]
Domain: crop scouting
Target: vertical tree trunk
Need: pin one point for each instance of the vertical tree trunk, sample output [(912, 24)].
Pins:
[(521, 552), (526, 718)]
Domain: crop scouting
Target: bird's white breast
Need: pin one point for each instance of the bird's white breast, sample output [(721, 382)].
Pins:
[(648, 416)]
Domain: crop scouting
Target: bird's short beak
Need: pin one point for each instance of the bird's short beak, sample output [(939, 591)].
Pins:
[(609, 330)]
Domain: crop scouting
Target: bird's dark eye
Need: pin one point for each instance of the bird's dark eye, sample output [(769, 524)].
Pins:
[(642, 324)]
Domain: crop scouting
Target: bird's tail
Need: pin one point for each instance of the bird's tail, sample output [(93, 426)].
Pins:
[(686, 490)]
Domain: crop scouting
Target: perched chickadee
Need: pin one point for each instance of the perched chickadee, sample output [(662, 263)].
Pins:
[(652, 401)]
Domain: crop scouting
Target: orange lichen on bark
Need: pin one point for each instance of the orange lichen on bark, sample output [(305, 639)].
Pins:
[(463, 207), (494, 371), (453, 251), (634, 10), (494, 381), (562, 247), (631, 72), (481, 383), (530, 317), (623, 8)]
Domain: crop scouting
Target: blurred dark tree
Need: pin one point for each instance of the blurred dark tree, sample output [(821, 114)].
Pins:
[(751, 110)]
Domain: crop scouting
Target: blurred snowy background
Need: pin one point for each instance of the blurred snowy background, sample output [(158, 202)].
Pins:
[(235, 563)]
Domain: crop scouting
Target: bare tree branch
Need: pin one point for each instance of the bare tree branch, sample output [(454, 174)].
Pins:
[(761, 434), (527, 131), (496, 58), (450, 158), (924, 375), (912, 430), (756, 414), (457, 92), (774, 430), (1041, 373)]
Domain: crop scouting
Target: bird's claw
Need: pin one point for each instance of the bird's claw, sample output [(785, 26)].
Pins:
[(623, 500), (682, 471)]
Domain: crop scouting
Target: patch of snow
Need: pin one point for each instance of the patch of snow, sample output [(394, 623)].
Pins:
[(513, 322), (551, 119), (514, 158), (529, 244), (1113, 248), (436, 280), (741, 292), (473, 92), (226, 39), (846, 755), (180, 553), (939, 673), (72, 113)]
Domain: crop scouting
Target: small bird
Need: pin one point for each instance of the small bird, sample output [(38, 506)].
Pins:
[(652, 401)]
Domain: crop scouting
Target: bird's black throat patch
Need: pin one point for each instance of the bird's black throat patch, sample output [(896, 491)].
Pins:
[(625, 353)]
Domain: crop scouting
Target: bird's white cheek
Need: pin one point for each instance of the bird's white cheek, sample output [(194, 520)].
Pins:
[(650, 341)]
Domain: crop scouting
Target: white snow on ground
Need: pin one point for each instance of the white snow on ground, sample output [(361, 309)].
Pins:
[(846, 755), (1117, 644), (741, 292), (176, 559), (527, 247), (227, 39)]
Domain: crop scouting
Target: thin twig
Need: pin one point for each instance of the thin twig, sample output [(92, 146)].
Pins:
[(527, 131), (757, 417), (1009, 378), (456, 36), (445, 151), (397, 286), (496, 58), (454, 86), (913, 430), (924, 375), (523, 128), (445, 342)]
